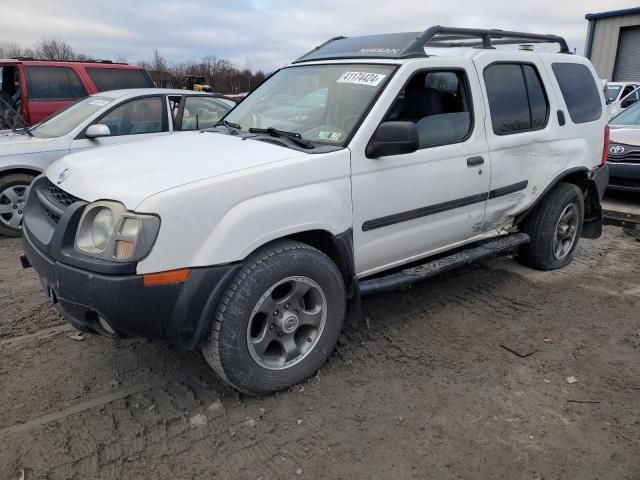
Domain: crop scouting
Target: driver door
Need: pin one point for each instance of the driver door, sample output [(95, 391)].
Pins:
[(408, 206)]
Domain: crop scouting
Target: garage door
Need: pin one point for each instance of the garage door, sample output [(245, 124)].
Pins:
[(628, 61)]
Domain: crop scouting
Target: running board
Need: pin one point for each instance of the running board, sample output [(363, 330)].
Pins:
[(491, 248)]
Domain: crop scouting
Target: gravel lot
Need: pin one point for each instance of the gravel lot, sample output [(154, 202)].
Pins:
[(423, 390)]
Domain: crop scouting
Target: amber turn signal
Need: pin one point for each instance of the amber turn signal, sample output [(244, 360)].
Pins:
[(162, 278)]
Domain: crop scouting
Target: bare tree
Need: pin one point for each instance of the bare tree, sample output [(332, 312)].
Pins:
[(54, 49)]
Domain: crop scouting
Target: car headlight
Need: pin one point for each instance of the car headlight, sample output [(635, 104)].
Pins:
[(107, 230)]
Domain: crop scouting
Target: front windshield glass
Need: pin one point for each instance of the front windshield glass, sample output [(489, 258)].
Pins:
[(66, 120), (612, 92), (630, 116), (322, 103)]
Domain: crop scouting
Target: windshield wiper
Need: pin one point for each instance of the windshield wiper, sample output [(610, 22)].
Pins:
[(293, 136), (232, 127)]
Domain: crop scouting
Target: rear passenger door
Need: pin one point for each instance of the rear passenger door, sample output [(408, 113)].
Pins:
[(525, 143)]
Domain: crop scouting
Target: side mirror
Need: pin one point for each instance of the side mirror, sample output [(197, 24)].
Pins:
[(97, 130), (393, 138), (627, 102)]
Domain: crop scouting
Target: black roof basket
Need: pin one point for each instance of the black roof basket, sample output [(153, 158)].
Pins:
[(411, 45)]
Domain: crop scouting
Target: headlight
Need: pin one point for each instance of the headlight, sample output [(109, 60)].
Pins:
[(109, 232), (102, 228)]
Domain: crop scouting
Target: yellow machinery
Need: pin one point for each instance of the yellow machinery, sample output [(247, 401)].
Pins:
[(196, 83)]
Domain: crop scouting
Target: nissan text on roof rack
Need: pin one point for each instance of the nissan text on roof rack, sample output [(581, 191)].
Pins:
[(250, 241)]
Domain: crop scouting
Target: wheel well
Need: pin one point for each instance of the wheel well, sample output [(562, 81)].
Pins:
[(580, 178), (26, 171), (332, 247)]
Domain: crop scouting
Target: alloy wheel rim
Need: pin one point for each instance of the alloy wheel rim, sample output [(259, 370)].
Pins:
[(286, 323), (12, 203), (566, 232)]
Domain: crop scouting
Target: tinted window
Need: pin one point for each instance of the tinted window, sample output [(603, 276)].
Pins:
[(579, 90), (135, 117), (53, 83), (537, 98), (117, 78), (439, 104), (517, 100), (508, 101), (202, 112)]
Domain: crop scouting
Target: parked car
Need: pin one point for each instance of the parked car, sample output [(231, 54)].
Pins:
[(621, 95), (107, 118), (251, 242), (624, 150), (35, 89)]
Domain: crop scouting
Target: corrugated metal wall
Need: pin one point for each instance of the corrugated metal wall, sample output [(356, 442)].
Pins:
[(605, 42)]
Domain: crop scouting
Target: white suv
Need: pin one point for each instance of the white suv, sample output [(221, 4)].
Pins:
[(251, 240)]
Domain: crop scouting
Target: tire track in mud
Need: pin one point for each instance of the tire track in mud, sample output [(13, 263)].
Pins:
[(412, 336)]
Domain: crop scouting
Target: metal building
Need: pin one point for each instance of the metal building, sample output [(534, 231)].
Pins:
[(613, 44)]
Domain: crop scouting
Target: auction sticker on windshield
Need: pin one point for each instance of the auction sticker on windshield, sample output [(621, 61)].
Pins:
[(361, 78)]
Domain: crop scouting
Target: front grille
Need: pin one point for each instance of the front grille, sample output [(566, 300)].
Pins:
[(631, 157), (62, 197)]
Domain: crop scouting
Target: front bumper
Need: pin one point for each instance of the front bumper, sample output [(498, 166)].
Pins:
[(624, 176), (179, 312)]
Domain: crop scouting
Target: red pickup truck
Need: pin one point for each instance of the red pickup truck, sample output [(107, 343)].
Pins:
[(38, 88)]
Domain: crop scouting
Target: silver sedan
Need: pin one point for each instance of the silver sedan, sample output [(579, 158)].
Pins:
[(106, 118)]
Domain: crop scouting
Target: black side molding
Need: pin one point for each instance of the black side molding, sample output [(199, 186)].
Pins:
[(442, 207)]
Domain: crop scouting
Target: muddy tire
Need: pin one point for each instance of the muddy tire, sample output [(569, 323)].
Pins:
[(554, 226), (278, 320), (14, 189)]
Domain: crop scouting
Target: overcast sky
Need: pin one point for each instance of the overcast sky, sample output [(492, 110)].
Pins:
[(268, 34)]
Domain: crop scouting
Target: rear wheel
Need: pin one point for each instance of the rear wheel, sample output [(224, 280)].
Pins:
[(279, 319), (554, 227), (14, 189)]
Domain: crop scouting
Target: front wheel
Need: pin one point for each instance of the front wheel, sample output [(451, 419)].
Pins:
[(14, 189), (278, 320), (554, 226)]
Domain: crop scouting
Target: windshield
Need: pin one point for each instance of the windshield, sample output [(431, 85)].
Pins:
[(321, 103), (612, 92), (66, 120), (630, 116)]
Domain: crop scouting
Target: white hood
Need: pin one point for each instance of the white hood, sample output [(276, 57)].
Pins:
[(132, 172), (21, 144)]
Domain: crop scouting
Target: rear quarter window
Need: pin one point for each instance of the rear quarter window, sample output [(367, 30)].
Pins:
[(117, 78), (53, 83), (580, 92)]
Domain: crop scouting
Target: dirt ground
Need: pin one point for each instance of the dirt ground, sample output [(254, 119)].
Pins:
[(423, 390)]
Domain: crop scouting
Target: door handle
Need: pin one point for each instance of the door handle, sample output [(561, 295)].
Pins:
[(474, 161)]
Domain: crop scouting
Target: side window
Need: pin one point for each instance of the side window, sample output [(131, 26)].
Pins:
[(118, 78), (202, 112), (53, 83), (627, 90), (439, 103), (517, 100), (143, 115), (580, 92)]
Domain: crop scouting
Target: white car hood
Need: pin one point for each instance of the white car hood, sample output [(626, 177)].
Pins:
[(132, 172), (19, 144), (626, 135)]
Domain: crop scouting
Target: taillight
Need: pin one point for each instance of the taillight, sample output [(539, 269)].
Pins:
[(605, 147)]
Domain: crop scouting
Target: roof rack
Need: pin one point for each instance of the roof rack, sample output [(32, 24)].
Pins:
[(412, 45), (32, 59)]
